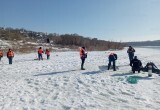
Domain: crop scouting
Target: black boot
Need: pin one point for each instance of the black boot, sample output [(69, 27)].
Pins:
[(82, 67), (108, 66)]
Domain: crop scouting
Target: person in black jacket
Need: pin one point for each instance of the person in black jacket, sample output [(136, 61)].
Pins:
[(136, 65), (130, 52), (112, 58)]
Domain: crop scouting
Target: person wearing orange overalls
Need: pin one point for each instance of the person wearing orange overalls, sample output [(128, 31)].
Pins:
[(83, 56), (40, 52), (10, 56), (48, 54), (1, 54)]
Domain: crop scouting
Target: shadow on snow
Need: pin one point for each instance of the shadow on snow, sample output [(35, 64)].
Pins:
[(101, 69), (53, 73), (92, 72), (123, 74), (134, 75)]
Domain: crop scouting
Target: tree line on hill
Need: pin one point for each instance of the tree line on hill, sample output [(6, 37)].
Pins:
[(66, 40), (144, 43)]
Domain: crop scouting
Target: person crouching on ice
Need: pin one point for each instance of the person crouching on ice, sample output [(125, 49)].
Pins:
[(112, 58), (10, 56), (1, 54), (40, 52), (83, 56), (48, 54), (136, 64)]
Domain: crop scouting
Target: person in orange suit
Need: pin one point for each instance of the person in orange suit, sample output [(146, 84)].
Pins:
[(40, 52), (1, 54), (10, 56), (83, 56), (48, 54)]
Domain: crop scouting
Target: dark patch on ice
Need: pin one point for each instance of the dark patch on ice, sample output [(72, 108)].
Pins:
[(66, 107), (105, 67), (92, 72), (123, 74), (101, 70)]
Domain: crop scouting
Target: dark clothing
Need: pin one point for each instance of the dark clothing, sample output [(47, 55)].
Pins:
[(40, 56), (136, 65), (130, 52), (48, 41), (131, 55), (48, 56), (10, 56), (154, 68), (83, 60), (10, 60), (114, 65), (0, 58), (83, 56), (112, 59), (40, 52)]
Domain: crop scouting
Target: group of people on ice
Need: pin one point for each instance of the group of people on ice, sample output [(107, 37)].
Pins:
[(111, 58), (10, 54), (134, 62), (40, 53)]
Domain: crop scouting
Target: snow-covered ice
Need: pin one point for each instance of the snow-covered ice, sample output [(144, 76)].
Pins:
[(59, 84)]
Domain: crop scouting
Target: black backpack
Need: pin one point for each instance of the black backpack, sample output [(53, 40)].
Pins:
[(154, 68)]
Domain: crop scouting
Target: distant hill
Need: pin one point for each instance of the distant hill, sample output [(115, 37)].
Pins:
[(22, 40), (144, 43)]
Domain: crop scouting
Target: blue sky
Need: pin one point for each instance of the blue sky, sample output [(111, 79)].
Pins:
[(118, 20)]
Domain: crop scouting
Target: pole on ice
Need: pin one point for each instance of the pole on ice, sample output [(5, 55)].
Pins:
[(149, 70)]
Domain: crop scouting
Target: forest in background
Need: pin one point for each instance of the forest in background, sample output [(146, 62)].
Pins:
[(72, 41), (144, 43)]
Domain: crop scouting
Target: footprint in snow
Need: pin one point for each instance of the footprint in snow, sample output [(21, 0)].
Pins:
[(110, 92), (123, 100), (56, 85), (141, 99), (126, 93)]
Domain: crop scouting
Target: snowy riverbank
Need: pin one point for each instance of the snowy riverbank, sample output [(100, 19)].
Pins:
[(59, 84)]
